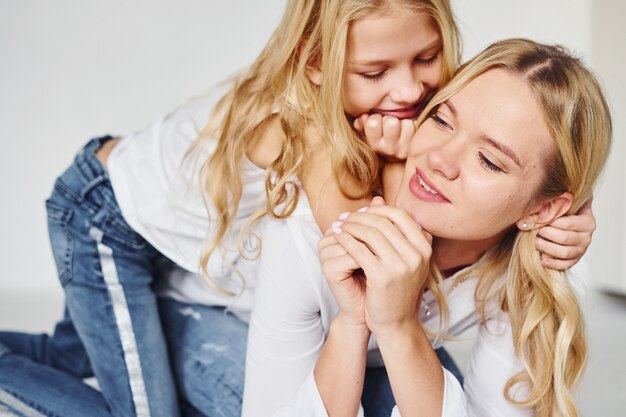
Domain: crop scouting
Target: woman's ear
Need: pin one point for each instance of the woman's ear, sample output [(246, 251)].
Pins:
[(546, 212)]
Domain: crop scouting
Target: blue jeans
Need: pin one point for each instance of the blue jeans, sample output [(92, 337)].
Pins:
[(206, 349), (107, 271), (377, 397)]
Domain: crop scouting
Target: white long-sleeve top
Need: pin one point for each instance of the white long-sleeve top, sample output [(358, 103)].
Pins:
[(157, 187), (292, 311)]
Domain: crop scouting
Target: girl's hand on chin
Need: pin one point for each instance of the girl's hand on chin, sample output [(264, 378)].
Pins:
[(388, 136), (394, 254)]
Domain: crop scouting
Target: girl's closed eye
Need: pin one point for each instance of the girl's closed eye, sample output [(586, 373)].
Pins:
[(484, 161), (428, 59), (373, 76)]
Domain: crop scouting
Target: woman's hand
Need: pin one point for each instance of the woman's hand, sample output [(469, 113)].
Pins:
[(388, 136), (346, 281), (394, 253), (564, 241)]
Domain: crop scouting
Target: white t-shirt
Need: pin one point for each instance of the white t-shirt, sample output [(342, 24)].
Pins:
[(292, 311), (157, 189)]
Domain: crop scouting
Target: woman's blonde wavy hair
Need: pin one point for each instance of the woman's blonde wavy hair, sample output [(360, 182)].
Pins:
[(547, 324), (312, 32)]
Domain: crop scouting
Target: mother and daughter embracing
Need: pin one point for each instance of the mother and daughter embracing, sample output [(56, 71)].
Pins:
[(305, 243)]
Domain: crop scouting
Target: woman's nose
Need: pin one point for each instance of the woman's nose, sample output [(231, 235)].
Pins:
[(444, 160)]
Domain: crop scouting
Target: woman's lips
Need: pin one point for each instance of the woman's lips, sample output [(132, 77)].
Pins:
[(421, 187)]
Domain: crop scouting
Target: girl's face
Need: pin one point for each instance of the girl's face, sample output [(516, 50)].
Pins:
[(393, 65), (476, 163)]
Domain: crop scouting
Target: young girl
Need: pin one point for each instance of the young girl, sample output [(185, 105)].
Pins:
[(504, 152), (114, 229)]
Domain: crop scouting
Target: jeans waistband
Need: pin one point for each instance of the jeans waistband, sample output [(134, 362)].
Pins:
[(88, 167)]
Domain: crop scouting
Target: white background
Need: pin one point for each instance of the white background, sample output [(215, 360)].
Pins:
[(71, 70), (74, 69)]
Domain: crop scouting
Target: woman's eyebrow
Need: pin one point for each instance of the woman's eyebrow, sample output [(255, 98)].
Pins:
[(491, 141), (502, 148)]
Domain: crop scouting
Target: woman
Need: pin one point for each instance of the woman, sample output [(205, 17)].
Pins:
[(520, 134), (516, 140)]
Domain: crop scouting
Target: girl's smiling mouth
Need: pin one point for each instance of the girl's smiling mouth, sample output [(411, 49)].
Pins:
[(410, 112)]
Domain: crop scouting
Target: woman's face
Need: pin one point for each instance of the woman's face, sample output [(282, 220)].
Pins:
[(393, 65), (475, 165)]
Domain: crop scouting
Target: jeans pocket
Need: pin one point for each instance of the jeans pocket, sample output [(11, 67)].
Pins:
[(61, 240), (118, 234)]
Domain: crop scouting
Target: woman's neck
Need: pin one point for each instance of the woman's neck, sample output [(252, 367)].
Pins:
[(452, 255)]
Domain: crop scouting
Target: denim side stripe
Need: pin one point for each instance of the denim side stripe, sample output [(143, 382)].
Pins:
[(19, 406), (124, 325)]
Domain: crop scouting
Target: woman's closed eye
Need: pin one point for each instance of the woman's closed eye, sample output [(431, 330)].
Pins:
[(484, 161), (440, 121)]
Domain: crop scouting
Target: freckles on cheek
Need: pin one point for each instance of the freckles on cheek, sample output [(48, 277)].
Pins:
[(503, 208)]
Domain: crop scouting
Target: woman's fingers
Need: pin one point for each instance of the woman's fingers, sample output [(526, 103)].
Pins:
[(402, 221), (363, 254), (381, 249), (380, 244)]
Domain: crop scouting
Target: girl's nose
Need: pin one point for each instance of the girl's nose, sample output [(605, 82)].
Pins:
[(407, 90)]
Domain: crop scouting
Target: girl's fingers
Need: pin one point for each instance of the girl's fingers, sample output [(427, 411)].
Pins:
[(374, 130), (359, 123), (554, 250), (565, 237), (391, 135), (557, 264), (406, 134), (583, 222)]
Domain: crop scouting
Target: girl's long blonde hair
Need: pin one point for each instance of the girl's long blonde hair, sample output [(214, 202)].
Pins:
[(312, 32), (547, 324)]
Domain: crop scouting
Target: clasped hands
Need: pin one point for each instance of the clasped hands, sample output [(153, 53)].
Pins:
[(376, 262)]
